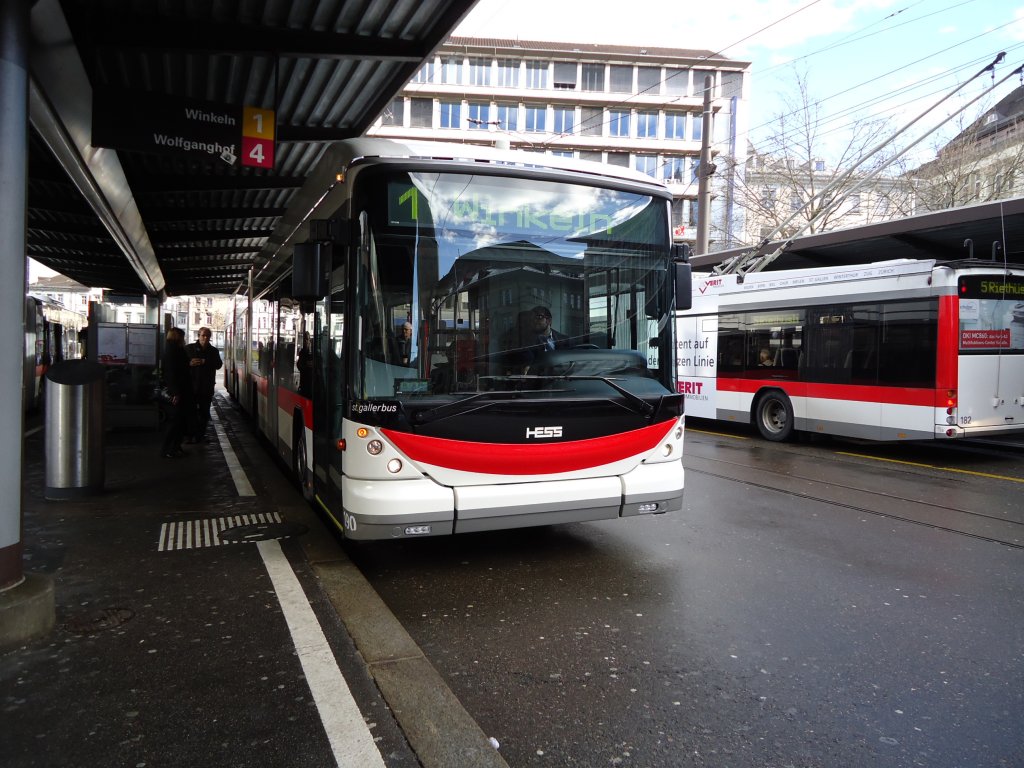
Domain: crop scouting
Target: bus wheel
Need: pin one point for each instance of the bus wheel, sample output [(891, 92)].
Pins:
[(774, 416), (300, 465)]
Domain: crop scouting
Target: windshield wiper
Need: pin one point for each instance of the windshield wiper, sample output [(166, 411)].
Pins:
[(639, 405), (459, 406)]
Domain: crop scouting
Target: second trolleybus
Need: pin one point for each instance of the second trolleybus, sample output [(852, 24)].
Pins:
[(908, 349), (404, 362)]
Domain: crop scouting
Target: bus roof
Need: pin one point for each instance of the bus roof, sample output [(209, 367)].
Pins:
[(318, 196)]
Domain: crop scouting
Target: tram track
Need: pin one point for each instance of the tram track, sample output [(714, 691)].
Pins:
[(964, 522)]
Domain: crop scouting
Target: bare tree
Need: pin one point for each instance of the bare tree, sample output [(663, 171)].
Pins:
[(798, 168)]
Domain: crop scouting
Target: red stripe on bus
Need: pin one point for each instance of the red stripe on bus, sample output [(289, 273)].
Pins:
[(261, 384), (288, 401), (948, 344), (529, 459), (932, 398)]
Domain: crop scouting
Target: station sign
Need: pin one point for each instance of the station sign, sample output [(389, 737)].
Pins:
[(146, 122)]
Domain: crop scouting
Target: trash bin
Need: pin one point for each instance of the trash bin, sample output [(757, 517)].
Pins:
[(74, 429)]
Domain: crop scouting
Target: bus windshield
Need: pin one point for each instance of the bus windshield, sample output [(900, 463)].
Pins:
[(471, 283)]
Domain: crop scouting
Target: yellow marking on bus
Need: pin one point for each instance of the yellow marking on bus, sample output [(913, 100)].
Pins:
[(715, 434), (932, 466)]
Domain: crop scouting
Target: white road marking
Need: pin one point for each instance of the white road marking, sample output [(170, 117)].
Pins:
[(197, 534), (234, 466), (347, 732)]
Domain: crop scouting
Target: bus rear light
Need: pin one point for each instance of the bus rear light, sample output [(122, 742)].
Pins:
[(951, 420), (374, 447), (951, 398), (340, 444), (395, 466), (950, 432)]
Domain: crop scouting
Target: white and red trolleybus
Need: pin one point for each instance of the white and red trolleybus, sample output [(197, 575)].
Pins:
[(896, 350), (402, 362)]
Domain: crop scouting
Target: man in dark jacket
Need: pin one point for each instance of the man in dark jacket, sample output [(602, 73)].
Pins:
[(174, 366), (204, 362)]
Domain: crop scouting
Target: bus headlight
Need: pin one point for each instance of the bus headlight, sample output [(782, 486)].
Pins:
[(395, 466), (374, 447), (666, 449)]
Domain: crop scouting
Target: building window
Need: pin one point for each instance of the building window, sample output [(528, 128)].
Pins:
[(646, 164), (565, 118), (451, 71), (795, 203), (421, 113), (478, 116), (618, 122), (819, 165), (508, 117), (508, 73), (591, 121), (425, 73), (620, 159), (535, 118), (537, 74), (648, 80), (696, 127), (698, 82), (767, 193), (674, 169), (451, 114), (565, 75), (479, 72), (593, 77), (591, 155), (561, 153), (647, 125), (675, 125), (732, 85), (620, 78), (677, 82), (395, 113)]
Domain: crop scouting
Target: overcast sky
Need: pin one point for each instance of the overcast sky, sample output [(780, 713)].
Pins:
[(863, 57)]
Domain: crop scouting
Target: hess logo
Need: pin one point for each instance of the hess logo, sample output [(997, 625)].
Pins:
[(543, 432)]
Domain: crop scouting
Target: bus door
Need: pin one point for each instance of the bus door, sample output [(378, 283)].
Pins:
[(329, 388)]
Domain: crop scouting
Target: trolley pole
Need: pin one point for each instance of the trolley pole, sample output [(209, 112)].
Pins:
[(704, 174)]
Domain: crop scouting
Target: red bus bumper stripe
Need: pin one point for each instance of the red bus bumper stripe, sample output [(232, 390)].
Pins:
[(530, 458)]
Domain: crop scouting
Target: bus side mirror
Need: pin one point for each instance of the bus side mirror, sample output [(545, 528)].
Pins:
[(682, 276), (308, 274)]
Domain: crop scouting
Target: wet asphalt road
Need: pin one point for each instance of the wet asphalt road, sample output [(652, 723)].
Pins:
[(815, 604)]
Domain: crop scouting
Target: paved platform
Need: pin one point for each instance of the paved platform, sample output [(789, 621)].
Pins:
[(188, 633)]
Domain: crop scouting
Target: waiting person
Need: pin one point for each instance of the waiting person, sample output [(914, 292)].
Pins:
[(174, 366), (204, 362), (405, 344)]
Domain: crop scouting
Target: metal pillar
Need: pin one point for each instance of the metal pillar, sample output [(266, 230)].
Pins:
[(26, 601), (704, 175)]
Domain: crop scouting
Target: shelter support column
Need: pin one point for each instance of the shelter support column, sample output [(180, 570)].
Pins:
[(26, 600)]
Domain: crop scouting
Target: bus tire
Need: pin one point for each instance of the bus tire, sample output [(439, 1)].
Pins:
[(300, 460), (773, 415)]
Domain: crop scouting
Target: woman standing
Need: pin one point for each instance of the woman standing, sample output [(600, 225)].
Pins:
[(178, 382)]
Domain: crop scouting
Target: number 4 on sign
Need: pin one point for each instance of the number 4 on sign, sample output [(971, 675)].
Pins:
[(257, 153)]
